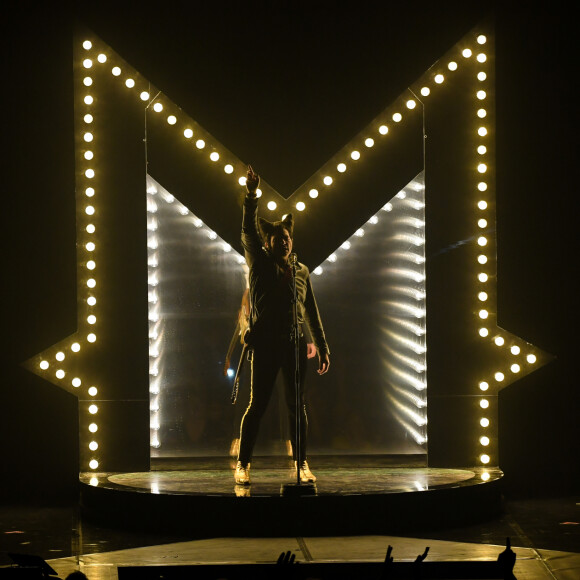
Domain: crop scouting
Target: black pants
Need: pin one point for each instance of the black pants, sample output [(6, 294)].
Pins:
[(270, 358)]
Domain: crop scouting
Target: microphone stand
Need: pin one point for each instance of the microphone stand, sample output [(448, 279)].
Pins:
[(298, 488)]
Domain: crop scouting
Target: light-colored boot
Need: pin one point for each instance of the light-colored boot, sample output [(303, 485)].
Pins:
[(306, 476), (242, 474)]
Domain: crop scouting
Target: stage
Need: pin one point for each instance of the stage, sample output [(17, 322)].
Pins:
[(351, 495)]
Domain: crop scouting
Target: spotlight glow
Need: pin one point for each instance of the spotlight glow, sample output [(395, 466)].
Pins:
[(355, 155), (383, 129), (313, 193)]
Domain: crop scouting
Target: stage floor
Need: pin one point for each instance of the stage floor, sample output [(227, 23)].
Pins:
[(336, 476), (267, 481)]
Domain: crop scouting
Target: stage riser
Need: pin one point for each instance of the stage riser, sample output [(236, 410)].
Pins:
[(211, 516)]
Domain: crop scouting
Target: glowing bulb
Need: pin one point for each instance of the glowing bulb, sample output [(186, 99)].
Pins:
[(484, 422), (60, 374), (91, 265), (482, 223), (452, 65), (466, 53), (485, 476), (499, 340), (172, 119), (482, 168), (91, 283), (531, 358), (87, 45), (92, 337), (313, 193), (484, 441), (130, 83), (158, 107), (90, 173), (482, 296), (188, 133), (93, 428), (272, 205), (87, 63), (397, 117), (484, 458), (482, 259), (144, 96), (515, 349), (116, 71), (359, 233), (481, 39), (345, 245), (200, 143), (214, 156), (482, 186), (59, 356), (483, 332), (482, 113), (90, 246), (341, 167), (481, 95), (482, 277), (499, 377), (88, 118), (44, 364), (87, 81), (482, 204), (515, 368), (482, 149), (76, 382), (88, 155), (484, 403), (93, 464), (90, 229), (92, 319), (369, 142), (481, 76), (483, 386), (425, 91), (383, 129), (481, 57), (482, 241), (411, 104), (93, 409), (332, 258), (88, 137), (229, 169), (439, 79), (317, 271), (300, 206), (93, 445), (483, 314), (327, 180)]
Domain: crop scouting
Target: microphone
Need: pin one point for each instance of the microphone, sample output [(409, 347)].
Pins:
[(293, 261)]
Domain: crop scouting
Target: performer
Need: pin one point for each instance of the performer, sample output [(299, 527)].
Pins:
[(268, 248)]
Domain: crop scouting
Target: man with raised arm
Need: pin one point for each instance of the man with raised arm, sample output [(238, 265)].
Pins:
[(268, 247)]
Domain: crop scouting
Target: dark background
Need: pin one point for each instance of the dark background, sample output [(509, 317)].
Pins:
[(266, 78)]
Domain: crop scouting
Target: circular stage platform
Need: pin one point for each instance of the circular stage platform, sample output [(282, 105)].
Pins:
[(346, 499)]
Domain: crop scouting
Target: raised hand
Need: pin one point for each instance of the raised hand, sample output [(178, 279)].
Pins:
[(252, 181)]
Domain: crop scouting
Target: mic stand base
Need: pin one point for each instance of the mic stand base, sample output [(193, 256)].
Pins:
[(298, 489)]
